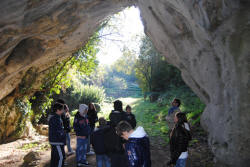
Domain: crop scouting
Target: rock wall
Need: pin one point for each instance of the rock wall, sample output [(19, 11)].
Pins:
[(209, 42)]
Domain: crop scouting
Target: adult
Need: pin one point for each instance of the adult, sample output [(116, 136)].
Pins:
[(112, 142), (179, 139), (93, 118), (172, 111)]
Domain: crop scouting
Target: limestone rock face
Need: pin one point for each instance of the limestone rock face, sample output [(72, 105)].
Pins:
[(209, 41)]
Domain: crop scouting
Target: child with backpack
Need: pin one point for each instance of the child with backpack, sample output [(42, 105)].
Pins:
[(82, 129)]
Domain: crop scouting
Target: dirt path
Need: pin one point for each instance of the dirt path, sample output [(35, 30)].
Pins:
[(11, 155)]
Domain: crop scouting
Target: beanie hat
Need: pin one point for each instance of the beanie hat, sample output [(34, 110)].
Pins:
[(82, 108)]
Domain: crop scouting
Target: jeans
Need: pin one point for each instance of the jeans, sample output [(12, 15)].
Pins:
[(181, 163), (102, 159), (92, 130), (68, 142), (81, 150)]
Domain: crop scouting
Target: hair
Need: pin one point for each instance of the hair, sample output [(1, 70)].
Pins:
[(128, 107), (118, 105), (181, 118), (57, 106), (91, 104), (61, 101), (102, 121), (178, 101), (123, 126)]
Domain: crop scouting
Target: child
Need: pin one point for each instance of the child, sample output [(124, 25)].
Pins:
[(82, 129), (179, 139), (57, 136), (97, 141), (137, 146), (130, 117)]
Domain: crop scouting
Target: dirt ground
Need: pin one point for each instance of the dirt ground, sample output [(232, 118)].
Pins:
[(11, 154)]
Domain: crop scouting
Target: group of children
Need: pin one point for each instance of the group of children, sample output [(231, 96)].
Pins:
[(117, 143)]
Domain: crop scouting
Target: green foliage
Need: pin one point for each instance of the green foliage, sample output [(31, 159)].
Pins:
[(154, 74), (60, 76)]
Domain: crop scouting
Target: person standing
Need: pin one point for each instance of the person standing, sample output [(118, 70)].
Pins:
[(67, 129), (172, 111), (82, 129), (179, 139), (130, 116), (137, 147), (93, 118), (57, 137), (97, 140), (112, 142)]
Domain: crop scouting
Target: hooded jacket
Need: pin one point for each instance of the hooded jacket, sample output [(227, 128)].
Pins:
[(81, 125), (138, 149), (56, 132)]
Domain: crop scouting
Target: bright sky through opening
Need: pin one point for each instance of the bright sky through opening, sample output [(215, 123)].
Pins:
[(127, 33)]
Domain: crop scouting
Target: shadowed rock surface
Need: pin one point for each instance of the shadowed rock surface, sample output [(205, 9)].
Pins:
[(207, 40)]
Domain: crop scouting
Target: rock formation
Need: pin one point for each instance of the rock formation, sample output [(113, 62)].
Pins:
[(207, 40)]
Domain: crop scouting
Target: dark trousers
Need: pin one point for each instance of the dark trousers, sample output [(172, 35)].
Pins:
[(57, 156), (118, 160)]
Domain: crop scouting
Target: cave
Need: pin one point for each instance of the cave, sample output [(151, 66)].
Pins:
[(207, 40)]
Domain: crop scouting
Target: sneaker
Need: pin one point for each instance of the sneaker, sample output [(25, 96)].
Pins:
[(90, 153), (71, 153), (65, 164), (83, 163)]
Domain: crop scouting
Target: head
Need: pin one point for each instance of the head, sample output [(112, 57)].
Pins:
[(91, 106), (83, 109), (180, 118), (128, 109), (102, 122), (124, 129), (118, 105), (61, 101), (176, 103), (58, 108)]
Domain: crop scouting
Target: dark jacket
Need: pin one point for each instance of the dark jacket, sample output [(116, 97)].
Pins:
[(138, 149), (131, 119), (81, 125), (92, 117), (66, 123), (179, 140), (116, 116), (97, 140), (57, 135)]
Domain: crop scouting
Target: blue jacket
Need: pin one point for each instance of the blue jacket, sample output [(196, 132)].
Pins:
[(57, 135), (81, 125), (138, 149)]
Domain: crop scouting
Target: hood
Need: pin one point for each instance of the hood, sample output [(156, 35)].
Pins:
[(138, 133), (82, 108)]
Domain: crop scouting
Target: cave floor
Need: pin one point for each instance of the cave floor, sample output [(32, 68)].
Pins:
[(11, 154)]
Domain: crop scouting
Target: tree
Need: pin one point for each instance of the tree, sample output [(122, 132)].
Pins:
[(154, 74)]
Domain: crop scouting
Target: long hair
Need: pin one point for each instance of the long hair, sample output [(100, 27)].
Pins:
[(181, 118), (91, 104)]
